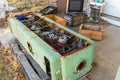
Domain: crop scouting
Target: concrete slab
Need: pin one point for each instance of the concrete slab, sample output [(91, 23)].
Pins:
[(5, 36), (107, 55)]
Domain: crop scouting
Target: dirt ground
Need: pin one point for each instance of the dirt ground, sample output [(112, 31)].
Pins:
[(9, 67)]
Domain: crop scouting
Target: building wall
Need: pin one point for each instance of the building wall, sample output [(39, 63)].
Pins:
[(112, 7), (3, 8), (87, 7)]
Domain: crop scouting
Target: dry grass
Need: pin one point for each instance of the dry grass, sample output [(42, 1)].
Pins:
[(3, 23), (103, 22), (9, 68)]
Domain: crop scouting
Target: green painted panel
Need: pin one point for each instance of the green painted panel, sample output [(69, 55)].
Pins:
[(118, 75), (62, 67), (40, 51), (70, 63), (25, 36)]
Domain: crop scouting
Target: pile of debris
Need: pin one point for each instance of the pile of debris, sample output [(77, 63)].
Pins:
[(18, 6), (3, 23), (28, 4), (9, 67)]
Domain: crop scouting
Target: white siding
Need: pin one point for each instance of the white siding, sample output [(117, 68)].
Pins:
[(112, 7)]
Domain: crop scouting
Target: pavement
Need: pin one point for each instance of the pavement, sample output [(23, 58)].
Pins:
[(5, 36), (107, 55)]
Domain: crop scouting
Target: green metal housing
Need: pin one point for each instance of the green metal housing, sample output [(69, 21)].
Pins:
[(61, 67), (118, 75)]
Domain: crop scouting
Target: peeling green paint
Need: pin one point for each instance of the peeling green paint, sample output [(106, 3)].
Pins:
[(118, 75), (62, 67)]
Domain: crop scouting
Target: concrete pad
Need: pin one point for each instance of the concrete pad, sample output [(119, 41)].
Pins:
[(107, 55), (5, 36)]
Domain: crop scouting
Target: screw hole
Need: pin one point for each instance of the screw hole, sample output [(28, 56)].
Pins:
[(30, 48)]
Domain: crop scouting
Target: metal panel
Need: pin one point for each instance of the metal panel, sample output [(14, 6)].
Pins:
[(118, 75), (62, 67), (39, 51)]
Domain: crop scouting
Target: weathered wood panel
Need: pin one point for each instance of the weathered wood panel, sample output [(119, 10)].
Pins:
[(31, 75)]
